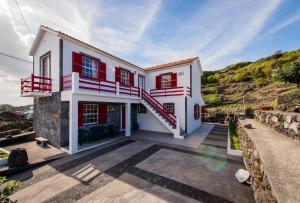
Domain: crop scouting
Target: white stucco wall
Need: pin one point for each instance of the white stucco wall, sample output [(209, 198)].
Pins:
[(147, 121), (111, 63), (49, 42)]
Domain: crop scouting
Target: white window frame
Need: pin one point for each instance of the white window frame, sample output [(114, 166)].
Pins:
[(124, 77), (48, 66), (169, 108), (166, 81), (89, 67), (90, 110)]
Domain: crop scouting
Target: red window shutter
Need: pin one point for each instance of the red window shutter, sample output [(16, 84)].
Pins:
[(80, 115), (77, 62), (102, 113), (158, 82), (131, 79), (102, 70), (117, 74), (174, 80)]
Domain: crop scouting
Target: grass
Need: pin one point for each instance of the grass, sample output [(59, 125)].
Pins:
[(3, 155), (234, 138)]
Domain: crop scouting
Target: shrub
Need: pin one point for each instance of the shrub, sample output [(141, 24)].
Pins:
[(260, 82), (212, 100), (211, 79), (214, 89), (8, 189), (234, 138), (289, 72)]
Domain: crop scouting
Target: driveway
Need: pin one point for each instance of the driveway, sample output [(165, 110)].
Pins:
[(134, 170)]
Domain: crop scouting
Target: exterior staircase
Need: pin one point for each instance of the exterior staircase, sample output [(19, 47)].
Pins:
[(156, 108)]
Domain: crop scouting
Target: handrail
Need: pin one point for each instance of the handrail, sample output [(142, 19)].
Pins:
[(36, 84), (159, 107), (135, 91), (174, 91)]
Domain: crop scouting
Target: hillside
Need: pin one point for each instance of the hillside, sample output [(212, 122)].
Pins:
[(251, 85)]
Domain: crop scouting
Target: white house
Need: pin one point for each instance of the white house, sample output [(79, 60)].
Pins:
[(77, 87)]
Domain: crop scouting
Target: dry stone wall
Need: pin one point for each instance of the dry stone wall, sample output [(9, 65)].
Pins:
[(283, 122), (259, 180)]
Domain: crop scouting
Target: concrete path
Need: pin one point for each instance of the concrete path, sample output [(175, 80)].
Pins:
[(139, 171)]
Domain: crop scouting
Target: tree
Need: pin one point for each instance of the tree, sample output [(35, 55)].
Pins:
[(289, 72)]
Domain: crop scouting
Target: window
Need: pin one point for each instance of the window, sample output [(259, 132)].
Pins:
[(45, 65), (89, 67), (141, 108), (110, 109), (166, 81), (125, 77), (90, 113), (196, 111), (169, 107)]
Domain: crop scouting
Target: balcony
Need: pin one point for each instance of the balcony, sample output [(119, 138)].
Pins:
[(168, 92), (36, 86), (78, 84)]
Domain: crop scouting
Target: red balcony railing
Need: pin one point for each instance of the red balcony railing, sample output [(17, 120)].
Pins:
[(188, 91), (129, 90), (36, 84), (67, 82), (97, 85), (176, 91)]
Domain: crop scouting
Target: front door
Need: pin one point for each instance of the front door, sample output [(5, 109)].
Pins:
[(141, 83), (123, 117), (45, 66)]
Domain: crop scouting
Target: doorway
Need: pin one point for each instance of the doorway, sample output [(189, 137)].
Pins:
[(141, 81)]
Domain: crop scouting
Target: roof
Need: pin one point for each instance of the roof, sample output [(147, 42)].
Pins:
[(66, 36), (175, 63)]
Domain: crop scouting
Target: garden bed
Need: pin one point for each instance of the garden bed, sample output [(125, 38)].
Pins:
[(3, 156), (233, 146)]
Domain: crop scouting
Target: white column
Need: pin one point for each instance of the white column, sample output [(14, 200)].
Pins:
[(75, 82), (128, 119), (73, 126), (117, 88)]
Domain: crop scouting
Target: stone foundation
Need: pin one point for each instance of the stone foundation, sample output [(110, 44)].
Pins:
[(259, 180), (283, 122)]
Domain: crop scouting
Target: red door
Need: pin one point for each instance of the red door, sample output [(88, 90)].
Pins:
[(123, 117)]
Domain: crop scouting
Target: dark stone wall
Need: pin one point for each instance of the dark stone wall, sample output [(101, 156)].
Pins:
[(51, 119)]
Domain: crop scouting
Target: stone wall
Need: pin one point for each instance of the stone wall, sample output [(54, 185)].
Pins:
[(283, 122), (51, 119), (259, 180)]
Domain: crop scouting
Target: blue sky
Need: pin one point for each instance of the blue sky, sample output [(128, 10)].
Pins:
[(151, 32)]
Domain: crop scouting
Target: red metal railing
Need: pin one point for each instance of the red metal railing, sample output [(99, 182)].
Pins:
[(176, 91), (188, 91), (67, 82), (129, 90), (97, 85), (170, 117), (36, 84)]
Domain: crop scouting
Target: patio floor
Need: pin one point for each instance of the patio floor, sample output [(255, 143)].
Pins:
[(131, 170)]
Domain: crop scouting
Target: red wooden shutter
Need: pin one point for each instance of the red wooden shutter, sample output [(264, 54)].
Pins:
[(131, 79), (174, 80), (77, 62), (102, 70), (117, 74), (102, 113), (80, 114), (158, 82)]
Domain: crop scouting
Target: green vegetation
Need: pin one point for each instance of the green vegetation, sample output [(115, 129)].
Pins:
[(214, 90), (286, 67), (3, 155), (234, 138), (7, 188), (212, 100)]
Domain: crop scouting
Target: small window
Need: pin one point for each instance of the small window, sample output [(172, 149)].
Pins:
[(169, 108), (141, 108), (166, 81), (89, 67), (45, 65), (196, 111), (125, 77), (90, 113)]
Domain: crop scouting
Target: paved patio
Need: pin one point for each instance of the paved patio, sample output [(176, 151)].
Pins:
[(131, 170)]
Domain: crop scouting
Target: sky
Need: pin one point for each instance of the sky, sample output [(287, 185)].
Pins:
[(149, 32)]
